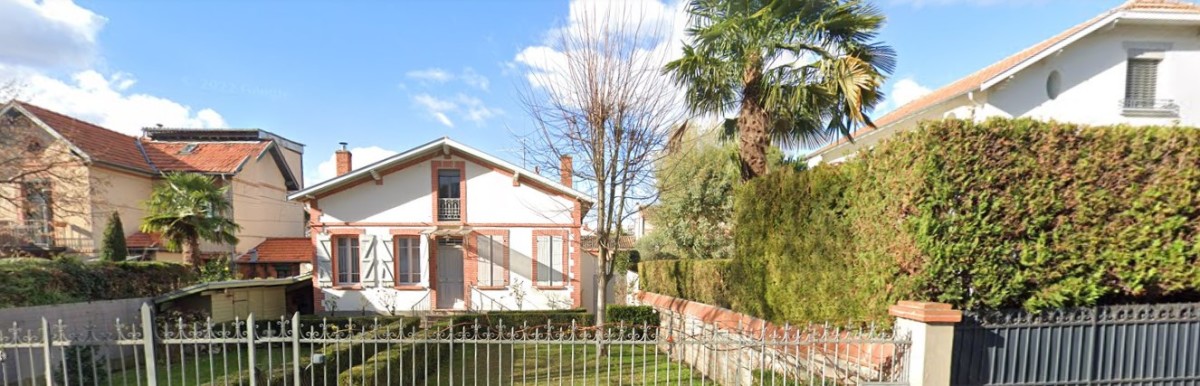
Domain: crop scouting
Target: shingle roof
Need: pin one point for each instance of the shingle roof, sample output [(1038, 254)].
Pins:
[(281, 250), (101, 144), (203, 157), (143, 240), (977, 79)]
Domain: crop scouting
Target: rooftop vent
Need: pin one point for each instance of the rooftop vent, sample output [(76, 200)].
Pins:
[(189, 149)]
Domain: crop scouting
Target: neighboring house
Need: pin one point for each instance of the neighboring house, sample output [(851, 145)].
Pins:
[(641, 224), (1135, 64), (117, 172), (446, 227), (278, 257), (225, 301)]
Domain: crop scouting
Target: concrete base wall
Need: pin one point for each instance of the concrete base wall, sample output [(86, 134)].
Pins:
[(77, 318)]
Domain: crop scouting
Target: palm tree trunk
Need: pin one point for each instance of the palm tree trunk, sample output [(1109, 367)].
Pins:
[(753, 139), (191, 252)]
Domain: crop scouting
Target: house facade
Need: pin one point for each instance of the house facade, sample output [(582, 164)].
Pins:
[(66, 207), (1135, 64), (444, 226)]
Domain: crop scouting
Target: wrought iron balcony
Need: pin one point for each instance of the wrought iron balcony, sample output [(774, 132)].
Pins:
[(448, 209), (1150, 107), (41, 241)]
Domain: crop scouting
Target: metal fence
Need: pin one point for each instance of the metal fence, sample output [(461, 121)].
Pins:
[(1112, 345), (374, 351)]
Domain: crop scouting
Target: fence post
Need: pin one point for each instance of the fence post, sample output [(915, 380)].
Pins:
[(250, 347), (148, 344), (46, 350), (296, 348), (930, 327)]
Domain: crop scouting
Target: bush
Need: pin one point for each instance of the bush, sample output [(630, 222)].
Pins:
[(35, 282), (697, 280), (631, 315), (530, 321), (113, 247), (992, 215)]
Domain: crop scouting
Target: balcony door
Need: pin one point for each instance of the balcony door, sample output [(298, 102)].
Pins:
[(449, 195)]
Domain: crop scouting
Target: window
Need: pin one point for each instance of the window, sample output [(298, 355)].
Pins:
[(283, 270), (346, 260), (39, 212), (493, 260), (550, 261), (1053, 85), (448, 194), (1141, 83), (408, 260)]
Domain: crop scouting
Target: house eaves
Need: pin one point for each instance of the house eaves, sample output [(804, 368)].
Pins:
[(440, 145), (230, 284)]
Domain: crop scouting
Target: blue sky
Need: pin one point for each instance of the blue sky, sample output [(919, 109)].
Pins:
[(386, 76)]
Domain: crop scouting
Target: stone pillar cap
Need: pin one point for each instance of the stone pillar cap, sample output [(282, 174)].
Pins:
[(925, 312)]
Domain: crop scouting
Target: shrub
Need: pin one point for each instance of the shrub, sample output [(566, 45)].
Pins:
[(35, 282), (631, 315), (992, 215), (113, 247), (697, 280)]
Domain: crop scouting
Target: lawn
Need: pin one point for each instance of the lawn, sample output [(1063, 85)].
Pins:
[(529, 364), (215, 371)]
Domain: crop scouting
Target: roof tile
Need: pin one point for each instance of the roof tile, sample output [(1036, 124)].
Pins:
[(203, 157), (282, 250), (101, 144)]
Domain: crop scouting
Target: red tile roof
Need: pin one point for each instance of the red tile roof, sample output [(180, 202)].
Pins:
[(977, 79), (281, 250), (204, 157), (143, 240), (101, 144)]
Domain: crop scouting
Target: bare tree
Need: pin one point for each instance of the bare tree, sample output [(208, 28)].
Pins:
[(601, 98), (41, 181)]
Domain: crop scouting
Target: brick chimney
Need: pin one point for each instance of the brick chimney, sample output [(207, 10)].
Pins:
[(343, 160), (565, 170)]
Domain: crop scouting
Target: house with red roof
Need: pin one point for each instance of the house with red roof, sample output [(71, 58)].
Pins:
[(64, 204), (1135, 64)]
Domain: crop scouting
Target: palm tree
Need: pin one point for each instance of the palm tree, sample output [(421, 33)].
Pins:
[(186, 208), (800, 72)]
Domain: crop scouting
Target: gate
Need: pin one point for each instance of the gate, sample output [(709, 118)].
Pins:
[(1109, 345)]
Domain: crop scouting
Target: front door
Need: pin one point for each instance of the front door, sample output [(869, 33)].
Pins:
[(449, 273)]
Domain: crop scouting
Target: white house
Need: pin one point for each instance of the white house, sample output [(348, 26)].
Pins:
[(1135, 64), (444, 226)]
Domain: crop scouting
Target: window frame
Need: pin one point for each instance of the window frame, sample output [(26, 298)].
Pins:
[(414, 248), (355, 245), (502, 263), (560, 283), (1152, 86)]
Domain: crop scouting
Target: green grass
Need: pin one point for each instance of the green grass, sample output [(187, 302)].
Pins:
[(528, 364), (222, 367)]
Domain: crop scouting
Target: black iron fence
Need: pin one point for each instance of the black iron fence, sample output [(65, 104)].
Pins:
[(1111, 345)]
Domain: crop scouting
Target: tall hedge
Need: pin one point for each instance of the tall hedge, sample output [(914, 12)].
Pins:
[(35, 282), (999, 214)]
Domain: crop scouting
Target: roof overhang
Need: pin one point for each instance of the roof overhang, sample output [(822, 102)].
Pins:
[(442, 145), (230, 284)]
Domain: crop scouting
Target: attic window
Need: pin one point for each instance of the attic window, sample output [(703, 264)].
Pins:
[(1053, 85), (189, 149)]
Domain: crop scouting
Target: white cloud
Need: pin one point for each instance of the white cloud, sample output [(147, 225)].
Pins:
[(435, 75), (107, 101), (474, 79), (907, 90), (361, 156), (49, 33), (463, 106), (38, 38)]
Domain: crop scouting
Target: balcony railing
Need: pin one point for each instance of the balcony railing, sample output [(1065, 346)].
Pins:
[(1150, 107), (448, 209), (39, 241)]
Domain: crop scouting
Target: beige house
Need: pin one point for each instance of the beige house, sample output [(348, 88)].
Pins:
[(66, 206)]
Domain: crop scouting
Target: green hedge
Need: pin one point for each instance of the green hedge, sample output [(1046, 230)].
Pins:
[(999, 214), (35, 282), (533, 319)]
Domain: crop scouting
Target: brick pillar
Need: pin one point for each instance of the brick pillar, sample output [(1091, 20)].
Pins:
[(930, 326)]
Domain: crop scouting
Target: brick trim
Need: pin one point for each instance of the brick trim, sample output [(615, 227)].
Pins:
[(333, 257), (436, 166), (471, 266), (564, 234), (347, 231)]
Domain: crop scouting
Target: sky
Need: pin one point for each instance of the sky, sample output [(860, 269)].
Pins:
[(388, 76)]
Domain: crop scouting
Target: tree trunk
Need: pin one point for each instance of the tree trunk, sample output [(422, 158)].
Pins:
[(603, 272), (191, 252), (752, 123)]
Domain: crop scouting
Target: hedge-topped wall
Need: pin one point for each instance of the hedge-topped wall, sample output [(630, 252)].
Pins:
[(1006, 213), (35, 282)]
